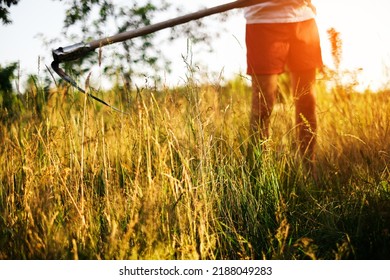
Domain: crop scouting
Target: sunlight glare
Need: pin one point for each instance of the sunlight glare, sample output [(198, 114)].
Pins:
[(366, 40)]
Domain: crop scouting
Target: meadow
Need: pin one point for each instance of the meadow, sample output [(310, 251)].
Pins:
[(171, 179)]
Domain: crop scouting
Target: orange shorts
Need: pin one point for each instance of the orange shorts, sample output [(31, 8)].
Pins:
[(273, 48)]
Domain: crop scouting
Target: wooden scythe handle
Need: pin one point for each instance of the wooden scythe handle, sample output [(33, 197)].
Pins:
[(76, 51), (171, 22)]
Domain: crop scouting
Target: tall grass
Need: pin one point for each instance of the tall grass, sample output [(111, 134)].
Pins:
[(171, 180)]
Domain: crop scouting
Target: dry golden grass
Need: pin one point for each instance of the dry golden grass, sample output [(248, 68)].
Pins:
[(171, 180)]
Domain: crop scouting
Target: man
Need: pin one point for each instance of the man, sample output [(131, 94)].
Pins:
[(282, 35)]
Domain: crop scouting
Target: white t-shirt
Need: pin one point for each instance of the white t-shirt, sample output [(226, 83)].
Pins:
[(280, 11)]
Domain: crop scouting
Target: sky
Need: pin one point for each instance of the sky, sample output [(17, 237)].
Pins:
[(363, 25)]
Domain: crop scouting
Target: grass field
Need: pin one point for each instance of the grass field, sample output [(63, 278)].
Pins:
[(171, 179)]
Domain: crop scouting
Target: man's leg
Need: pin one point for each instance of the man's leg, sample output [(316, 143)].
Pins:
[(303, 83), (264, 88)]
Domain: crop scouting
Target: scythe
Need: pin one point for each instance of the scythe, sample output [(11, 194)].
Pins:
[(76, 51)]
